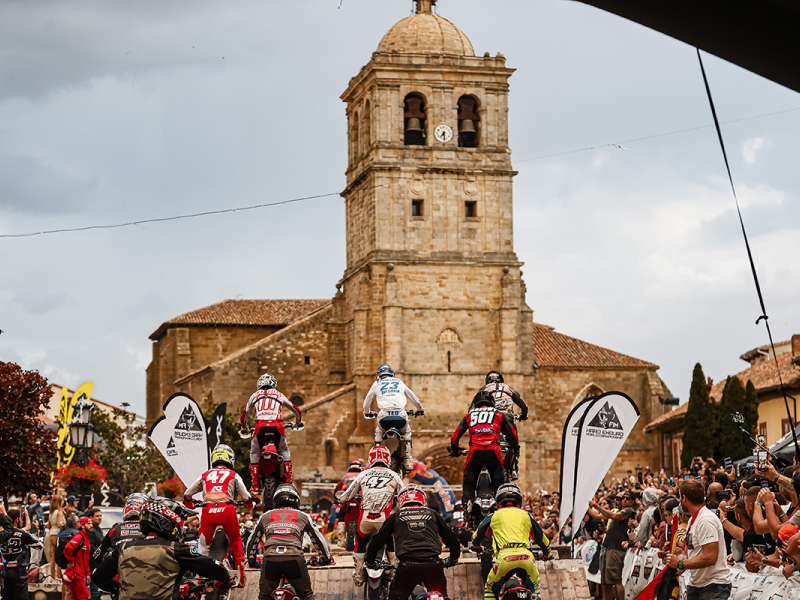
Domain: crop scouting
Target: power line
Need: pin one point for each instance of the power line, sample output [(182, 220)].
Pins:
[(656, 135), (174, 218)]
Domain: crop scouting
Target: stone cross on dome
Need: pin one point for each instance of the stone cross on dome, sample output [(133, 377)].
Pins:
[(425, 6)]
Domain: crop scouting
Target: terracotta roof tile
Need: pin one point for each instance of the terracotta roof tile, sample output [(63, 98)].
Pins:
[(243, 313), (673, 414), (553, 349), (765, 376)]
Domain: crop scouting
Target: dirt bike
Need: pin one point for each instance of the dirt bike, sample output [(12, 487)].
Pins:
[(421, 592), (513, 587), (393, 439), (352, 509), (271, 470), (219, 550), (377, 580), (510, 461), (285, 591)]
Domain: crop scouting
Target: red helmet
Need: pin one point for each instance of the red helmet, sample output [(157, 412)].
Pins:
[(412, 495), (379, 454), (356, 466)]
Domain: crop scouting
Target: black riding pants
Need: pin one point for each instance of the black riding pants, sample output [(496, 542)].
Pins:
[(410, 574), (15, 585), (293, 568), (473, 468)]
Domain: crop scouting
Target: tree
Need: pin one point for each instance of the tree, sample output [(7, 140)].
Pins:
[(130, 459), (750, 411), (27, 447), (730, 441), (698, 438)]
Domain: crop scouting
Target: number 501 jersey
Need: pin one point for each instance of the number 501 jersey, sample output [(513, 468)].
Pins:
[(485, 424)]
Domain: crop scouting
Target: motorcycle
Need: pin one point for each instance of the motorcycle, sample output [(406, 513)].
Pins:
[(421, 593), (513, 587), (219, 550), (351, 521), (510, 461), (376, 583), (271, 470), (285, 591), (393, 439)]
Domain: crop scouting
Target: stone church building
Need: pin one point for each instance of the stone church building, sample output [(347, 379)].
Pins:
[(432, 284)]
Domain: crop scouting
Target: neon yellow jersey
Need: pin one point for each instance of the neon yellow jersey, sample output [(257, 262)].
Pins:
[(513, 529)]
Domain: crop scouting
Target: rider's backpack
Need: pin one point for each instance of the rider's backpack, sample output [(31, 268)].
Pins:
[(63, 540)]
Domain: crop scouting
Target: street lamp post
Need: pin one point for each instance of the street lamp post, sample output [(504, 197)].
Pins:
[(81, 433)]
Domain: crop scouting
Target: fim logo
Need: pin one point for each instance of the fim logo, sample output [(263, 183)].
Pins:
[(605, 424), (188, 426), (171, 451)]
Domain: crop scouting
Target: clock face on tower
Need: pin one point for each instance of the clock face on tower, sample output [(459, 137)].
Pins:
[(443, 133)]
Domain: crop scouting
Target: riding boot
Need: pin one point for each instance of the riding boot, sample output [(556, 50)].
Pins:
[(255, 488), (409, 462), (287, 470), (242, 576), (358, 571)]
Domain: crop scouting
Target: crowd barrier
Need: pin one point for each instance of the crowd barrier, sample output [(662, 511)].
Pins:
[(643, 565)]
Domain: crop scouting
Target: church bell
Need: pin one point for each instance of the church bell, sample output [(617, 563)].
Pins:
[(414, 125)]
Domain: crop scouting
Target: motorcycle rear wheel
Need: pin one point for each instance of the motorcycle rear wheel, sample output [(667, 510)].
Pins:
[(350, 542), (268, 491)]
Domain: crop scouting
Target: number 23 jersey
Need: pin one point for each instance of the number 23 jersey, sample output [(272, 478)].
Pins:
[(219, 485), (378, 486)]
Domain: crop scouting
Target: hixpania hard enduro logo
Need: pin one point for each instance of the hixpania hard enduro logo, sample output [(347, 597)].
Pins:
[(188, 426), (605, 424)]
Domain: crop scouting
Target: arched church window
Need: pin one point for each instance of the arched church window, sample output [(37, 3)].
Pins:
[(414, 120), (328, 453), (354, 144), (468, 122)]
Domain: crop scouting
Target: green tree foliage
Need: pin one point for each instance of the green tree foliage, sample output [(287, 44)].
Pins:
[(130, 459), (698, 437), (27, 448), (730, 441), (750, 411)]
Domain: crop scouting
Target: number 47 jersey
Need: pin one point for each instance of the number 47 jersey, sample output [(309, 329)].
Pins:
[(219, 485), (378, 486)]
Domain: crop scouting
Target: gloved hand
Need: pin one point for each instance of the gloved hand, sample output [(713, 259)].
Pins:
[(477, 548), (325, 561), (548, 557), (523, 417), (372, 565), (251, 502), (421, 412), (189, 504), (450, 563), (224, 586), (515, 451), (454, 451)]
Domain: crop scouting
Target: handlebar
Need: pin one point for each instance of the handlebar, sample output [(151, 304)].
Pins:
[(236, 503)]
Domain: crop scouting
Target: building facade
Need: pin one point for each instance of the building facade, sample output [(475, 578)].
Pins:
[(432, 284)]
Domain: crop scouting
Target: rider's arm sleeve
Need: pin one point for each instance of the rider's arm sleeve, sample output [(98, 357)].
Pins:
[(480, 532), (353, 489), (290, 405), (539, 537), (317, 538), (413, 398), (8, 528), (104, 545), (240, 488), (519, 402), (370, 397), (449, 538), (507, 427), (197, 486), (255, 538), (246, 412), (191, 560), (379, 540), (461, 430), (104, 574)]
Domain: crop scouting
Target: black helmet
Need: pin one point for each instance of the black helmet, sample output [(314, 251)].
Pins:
[(164, 517), (483, 398), (508, 494), (286, 496), (494, 377)]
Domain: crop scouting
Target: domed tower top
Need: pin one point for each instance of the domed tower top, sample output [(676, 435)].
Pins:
[(426, 33)]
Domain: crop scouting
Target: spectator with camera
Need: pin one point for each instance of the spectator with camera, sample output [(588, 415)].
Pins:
[(615, 543)]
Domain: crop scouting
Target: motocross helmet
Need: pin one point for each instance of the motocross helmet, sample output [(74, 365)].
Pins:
[(494, 377), (508, 494), (483, 398), (355, 466), (266, 381), (164, 517), (379, 455), (223, 455), (385, 371), (133, 506), (286, 496), (412, 495)]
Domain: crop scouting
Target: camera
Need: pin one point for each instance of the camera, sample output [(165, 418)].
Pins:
[(723, 495), (737, 418)]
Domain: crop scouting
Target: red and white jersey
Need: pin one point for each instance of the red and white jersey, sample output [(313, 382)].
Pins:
[(267, 405), (220, 484), (378, 486)]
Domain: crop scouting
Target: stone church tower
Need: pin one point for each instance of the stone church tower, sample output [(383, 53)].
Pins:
[(432, 285)]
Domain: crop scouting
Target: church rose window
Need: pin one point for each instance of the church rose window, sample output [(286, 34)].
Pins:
[(468, 121), (414, 120)]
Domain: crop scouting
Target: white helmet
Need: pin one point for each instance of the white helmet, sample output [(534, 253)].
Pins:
[(266, 381)]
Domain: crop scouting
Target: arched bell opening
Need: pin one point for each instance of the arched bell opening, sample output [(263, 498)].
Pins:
[(468, 122), (415, 119)]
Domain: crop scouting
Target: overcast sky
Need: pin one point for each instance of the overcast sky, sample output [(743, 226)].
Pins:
[(115, 111)]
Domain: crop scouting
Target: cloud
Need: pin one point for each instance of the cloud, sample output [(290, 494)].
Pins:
[(750, 148)]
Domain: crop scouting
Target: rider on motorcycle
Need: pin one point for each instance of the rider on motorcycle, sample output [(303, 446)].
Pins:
[(504, 395), (392, 395), (353, 469), (418, 533), (514, 530), (283, 529), (151, 567), (267, 403), (485, 424), (378, 486), (220, 486), (129, 528)]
